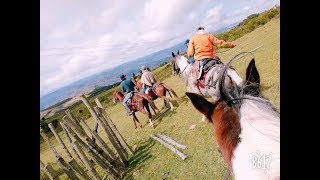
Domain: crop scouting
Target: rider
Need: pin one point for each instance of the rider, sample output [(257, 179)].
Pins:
[(201, 47), (127, 87), (147, 79)]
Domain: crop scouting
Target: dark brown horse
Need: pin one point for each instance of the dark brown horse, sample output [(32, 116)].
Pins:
[(160, 90), (139, 102)]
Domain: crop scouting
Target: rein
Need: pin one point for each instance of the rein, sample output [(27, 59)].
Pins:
[(184, 69)]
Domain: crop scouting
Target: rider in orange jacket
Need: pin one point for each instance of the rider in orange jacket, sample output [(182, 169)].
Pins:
[(201, 47)]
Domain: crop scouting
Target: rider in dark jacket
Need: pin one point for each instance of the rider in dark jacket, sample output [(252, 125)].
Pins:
[(127, 87)]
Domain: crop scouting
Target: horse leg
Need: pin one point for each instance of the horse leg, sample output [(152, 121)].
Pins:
[(153, 110), (148, 109), (136, 119), (148, 113), (166, 99)]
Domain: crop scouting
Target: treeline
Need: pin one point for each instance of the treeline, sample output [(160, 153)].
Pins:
[(249, 24)]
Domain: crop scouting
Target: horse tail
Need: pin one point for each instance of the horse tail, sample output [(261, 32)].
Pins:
[(170, 90), (150, 101)]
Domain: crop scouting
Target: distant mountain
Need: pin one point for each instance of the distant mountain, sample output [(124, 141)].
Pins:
[(111, 76), (108, 76)]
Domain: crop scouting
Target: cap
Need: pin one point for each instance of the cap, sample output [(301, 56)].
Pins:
[(143, 68), (122, 76)]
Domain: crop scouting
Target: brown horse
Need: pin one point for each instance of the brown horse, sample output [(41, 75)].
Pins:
[(159, 89), (246, 126), (139, 102)]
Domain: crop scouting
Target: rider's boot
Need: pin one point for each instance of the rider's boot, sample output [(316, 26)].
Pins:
[(200, 72), (129, 112)]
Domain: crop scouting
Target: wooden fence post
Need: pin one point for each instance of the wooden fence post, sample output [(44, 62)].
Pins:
[(76, 167), (114, 141), (61, 162), (116, 163), (59, 140), (108, 120), (70, 141), (49, 171), (82, 134), (82, 156), (111, 133), (93, 155)]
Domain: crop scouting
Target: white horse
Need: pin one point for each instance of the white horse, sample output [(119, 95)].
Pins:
[(211, 81), (246, 126)]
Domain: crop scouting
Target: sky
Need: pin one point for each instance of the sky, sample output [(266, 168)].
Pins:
[(79, 38)]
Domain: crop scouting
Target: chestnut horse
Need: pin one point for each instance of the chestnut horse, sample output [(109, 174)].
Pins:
[(140, 103), (159, 89), (246, 127)]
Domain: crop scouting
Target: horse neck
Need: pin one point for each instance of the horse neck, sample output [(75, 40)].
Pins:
[(227, 129), (260, 135), (183, 65), (120, 96)]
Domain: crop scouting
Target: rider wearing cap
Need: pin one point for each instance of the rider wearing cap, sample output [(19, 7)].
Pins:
[(127, 87), (147, 79), (201, 47)]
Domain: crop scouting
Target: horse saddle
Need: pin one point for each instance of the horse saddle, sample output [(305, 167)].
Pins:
[(207, 66), (155, 85), (210, 63)]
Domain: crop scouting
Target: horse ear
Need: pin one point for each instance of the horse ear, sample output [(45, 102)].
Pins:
[(178, 52), (252, 74), (252, 84), (201, 104), (172, 54)]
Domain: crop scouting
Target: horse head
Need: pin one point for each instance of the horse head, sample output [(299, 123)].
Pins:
[(244, 122), (175, 67), (115, 97)]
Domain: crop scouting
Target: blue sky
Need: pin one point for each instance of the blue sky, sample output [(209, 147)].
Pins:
[(79, 38)]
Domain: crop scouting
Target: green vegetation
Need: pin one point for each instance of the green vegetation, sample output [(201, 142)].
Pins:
[(249, 24), (153, 160)]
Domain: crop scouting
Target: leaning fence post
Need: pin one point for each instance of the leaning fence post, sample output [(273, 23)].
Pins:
[(114, 141), (64, 147), (100, 141), (108, 120), (82, 156), (61, 162), (71, 160), (49, 171), (93, 155), (80, 132), (71, 143)]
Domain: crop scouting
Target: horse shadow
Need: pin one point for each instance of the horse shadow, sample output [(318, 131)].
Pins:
[(139, 157)]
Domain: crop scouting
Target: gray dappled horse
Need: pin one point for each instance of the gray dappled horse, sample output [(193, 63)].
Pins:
[(210, 85)]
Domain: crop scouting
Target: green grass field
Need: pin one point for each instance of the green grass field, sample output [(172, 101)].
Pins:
[(153, 160)]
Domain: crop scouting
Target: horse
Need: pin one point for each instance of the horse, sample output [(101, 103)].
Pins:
[(208, 86), (139, 102), (159, 89), (246, 127)]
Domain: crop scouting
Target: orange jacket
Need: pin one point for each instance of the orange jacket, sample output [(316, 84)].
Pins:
[(201, 46)]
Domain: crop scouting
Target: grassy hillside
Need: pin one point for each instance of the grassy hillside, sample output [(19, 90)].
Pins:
[(153, 160)]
